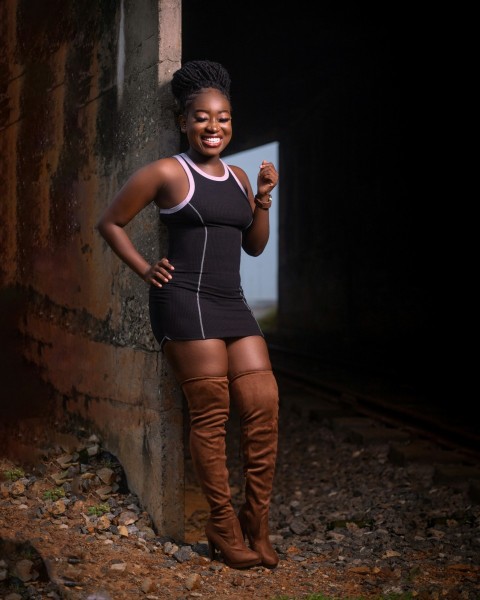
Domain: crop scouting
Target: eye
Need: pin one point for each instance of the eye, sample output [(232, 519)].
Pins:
[(224, 119), (201, 119)]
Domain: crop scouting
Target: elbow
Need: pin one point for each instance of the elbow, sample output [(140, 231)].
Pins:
[(103, 228), (254, 245), (254, 251), (103, 225), (107, 228)]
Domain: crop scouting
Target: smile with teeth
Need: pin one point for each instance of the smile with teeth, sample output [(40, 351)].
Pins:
[(212, 141)]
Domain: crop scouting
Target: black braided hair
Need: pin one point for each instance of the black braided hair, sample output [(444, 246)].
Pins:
[(196, 75)]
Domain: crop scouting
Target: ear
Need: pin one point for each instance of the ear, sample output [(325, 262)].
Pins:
[(182, 122)]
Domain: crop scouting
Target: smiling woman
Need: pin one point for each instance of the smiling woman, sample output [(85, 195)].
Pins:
[(198, 311), (209, 123)]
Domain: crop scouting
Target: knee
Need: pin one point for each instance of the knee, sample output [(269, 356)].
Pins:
[(255, 394), (208, 398)]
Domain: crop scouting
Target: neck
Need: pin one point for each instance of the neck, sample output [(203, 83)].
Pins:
[(202, 159), (210, 164)]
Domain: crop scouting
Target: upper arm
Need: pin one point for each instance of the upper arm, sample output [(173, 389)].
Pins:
[(243, 178), (138, 191)]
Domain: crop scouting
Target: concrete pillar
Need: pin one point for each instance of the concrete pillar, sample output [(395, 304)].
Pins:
[(87, 103)]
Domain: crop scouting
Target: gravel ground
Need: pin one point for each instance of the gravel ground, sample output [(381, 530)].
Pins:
[(347, 522), (347, 506)]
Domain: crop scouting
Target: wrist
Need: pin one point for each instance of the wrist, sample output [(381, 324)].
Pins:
[(263, 201), (145, 274)]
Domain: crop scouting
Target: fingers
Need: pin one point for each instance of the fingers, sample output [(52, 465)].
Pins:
[(266, 166), (159, 273), (267, 169), (267, 177)]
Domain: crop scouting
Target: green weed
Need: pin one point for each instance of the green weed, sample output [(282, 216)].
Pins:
[(98, 510), (14, 474), (54, 494)]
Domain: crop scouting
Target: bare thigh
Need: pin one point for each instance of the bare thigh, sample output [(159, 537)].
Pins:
[(197, 358), (217, 358), (247, 354)]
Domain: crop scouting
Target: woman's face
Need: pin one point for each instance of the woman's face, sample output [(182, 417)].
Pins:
[(208, 122)]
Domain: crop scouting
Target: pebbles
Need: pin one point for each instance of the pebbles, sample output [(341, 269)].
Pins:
[(346, 519), (360, 512), (363, 507)]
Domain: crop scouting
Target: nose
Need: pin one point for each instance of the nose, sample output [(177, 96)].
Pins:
[(213, 124)]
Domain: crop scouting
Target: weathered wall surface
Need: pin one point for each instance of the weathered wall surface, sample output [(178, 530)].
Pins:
[(85, 102)]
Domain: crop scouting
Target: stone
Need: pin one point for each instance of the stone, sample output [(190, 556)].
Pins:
[(127, 517), (147, 585), (106, 475), (24, 570), (193, 581)]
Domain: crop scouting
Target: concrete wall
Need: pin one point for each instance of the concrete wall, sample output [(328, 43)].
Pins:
[(85, 101)]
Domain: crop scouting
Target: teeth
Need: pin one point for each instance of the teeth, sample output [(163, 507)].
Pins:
[(212, 140)]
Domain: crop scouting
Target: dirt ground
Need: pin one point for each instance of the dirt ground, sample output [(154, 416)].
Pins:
[(92, 542)]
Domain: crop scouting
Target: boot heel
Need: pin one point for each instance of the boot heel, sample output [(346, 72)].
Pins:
[(243, 526), (226, 539), (211, 550)]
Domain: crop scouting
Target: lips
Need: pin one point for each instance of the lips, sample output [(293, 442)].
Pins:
[(212, 141)]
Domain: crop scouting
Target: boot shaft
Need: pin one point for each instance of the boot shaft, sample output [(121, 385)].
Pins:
[(255, 395), (209, 405)]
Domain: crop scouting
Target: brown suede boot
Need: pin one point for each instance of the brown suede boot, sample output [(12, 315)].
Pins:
[(209, 404), (256, 396)]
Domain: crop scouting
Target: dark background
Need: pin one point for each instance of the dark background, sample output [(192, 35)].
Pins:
[(353, 93)]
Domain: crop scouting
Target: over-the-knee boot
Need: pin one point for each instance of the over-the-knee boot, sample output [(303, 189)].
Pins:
[(209, 404), (255, 394)]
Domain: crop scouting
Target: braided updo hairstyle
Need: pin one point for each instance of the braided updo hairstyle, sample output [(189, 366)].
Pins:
[(195, 76)]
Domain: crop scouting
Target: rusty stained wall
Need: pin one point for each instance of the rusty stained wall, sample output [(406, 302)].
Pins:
[(85, 102)]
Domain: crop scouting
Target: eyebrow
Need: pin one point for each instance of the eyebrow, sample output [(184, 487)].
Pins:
[(224, 110)]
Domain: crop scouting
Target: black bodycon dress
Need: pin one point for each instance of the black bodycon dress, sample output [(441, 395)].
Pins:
[(204, 299)]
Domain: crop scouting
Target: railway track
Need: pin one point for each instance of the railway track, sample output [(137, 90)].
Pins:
[(375, 396)]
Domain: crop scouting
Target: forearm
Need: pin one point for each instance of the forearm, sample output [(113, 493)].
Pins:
[(255, 238), (120, 243)]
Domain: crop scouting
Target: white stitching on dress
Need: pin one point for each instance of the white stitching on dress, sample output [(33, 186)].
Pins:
[(201, 269)]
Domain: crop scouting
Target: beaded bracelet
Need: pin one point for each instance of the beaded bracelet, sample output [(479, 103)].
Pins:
[(263, 204)]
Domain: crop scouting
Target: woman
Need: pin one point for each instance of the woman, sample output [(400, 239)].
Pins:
[(198, 312)]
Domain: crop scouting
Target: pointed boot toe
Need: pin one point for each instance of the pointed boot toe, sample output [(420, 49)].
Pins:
[(226, 537)]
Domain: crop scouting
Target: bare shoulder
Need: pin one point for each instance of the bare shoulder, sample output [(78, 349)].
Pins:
[(157, 175), (169, 180), (161, 170), (239, 172), (242, 176)]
